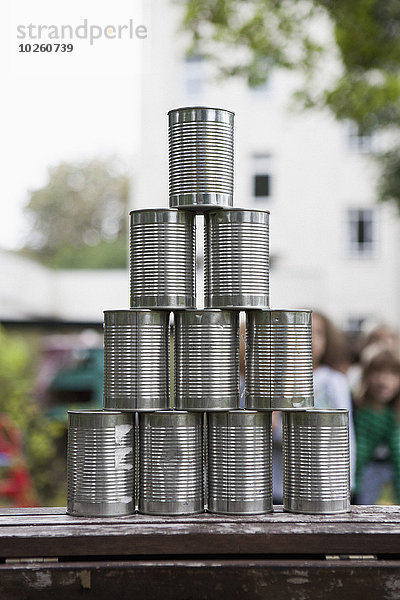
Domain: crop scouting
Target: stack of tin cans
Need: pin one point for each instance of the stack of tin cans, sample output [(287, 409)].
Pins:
[(172, 426)]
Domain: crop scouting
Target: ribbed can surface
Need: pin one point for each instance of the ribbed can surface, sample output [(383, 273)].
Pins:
[(136, 354), (316, 461), (100, 463), (279, 370), (206, 360), (236, 259), (171, 463), (162, 259), (239, 462), (200, 158)]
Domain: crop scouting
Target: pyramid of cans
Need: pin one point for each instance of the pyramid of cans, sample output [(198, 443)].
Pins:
[(151, 453)]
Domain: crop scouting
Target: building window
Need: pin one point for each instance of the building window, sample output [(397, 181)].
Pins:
[(362, 232), (261, 177), (194, 75), (359, 141)]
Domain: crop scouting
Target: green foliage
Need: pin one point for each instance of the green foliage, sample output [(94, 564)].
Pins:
[(39, 435), (78, 219), (265, 34), (389, 183)]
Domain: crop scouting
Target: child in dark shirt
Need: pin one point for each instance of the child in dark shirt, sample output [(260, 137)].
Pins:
[(377, 425)]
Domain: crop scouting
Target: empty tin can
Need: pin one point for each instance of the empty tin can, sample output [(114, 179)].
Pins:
[(171, 463), (136, 355), (206, 360), (200, 158), (240, 462), (100, 463), (316, 461), (279, 372), (236, 259), (162, 259)]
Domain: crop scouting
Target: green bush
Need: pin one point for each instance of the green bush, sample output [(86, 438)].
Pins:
[(40, 436)]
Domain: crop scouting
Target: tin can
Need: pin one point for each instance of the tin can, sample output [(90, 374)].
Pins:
[(206, 360), (171, 463), (240, 462), (136, 356), (100, 463), (236, 259), (279, 372), (162, 259), (316, 461), (200, 158)]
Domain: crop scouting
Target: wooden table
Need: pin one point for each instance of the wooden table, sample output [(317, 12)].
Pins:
[(44, 553)]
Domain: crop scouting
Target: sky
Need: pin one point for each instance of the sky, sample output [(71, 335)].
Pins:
[(65, 106)]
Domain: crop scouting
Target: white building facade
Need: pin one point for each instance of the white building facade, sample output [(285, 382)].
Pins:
[(333, 248)]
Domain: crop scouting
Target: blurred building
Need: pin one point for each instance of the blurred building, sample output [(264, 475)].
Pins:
[(33, 294), (332, 246)]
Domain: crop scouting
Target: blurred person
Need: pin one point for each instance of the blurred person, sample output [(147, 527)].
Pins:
[(331, 389), (380, 338), (377, 423)]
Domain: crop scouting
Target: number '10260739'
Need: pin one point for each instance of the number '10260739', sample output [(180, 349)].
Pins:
[(45, 47)]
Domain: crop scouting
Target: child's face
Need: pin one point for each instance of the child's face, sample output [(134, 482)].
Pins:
[(383, 385)]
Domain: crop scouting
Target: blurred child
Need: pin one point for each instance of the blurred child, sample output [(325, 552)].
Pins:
[(377, 423)]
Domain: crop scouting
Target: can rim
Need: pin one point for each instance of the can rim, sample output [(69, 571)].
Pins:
[(239, 210), (199, 107), (154, 210), (128, 310), (283, 310), (89, 411)]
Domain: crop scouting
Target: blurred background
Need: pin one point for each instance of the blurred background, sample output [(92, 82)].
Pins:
[(315, 86)]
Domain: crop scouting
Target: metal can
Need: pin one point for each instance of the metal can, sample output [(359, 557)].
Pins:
[(236, 259), (136, 355), (162, 259), (207, 360), (100, 463), (171, 463), (316, 461), (200, 158), (279, 372), (240, 462)]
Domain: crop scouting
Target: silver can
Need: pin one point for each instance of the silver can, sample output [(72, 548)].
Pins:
[(162, 259), (316, 461), (240, 462), (279, 372), (100, 463), (206, 360), (200, 158), (236, 259), (136, 355), (171, 463)]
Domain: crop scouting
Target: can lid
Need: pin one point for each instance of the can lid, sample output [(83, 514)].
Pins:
[(181, 108)]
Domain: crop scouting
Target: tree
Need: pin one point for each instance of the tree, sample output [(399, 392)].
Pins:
[(262, 35), (78, 219)]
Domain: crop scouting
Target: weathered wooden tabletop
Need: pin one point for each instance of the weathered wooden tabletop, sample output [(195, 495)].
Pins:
[(46, 553)]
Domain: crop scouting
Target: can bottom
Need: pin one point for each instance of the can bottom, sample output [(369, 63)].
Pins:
[(305, 402), (163, 302), (316, 507), (200, 202), (100, 509), (240, 507), (134, 409), (198, 405), (237, 301), (147, 507)]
